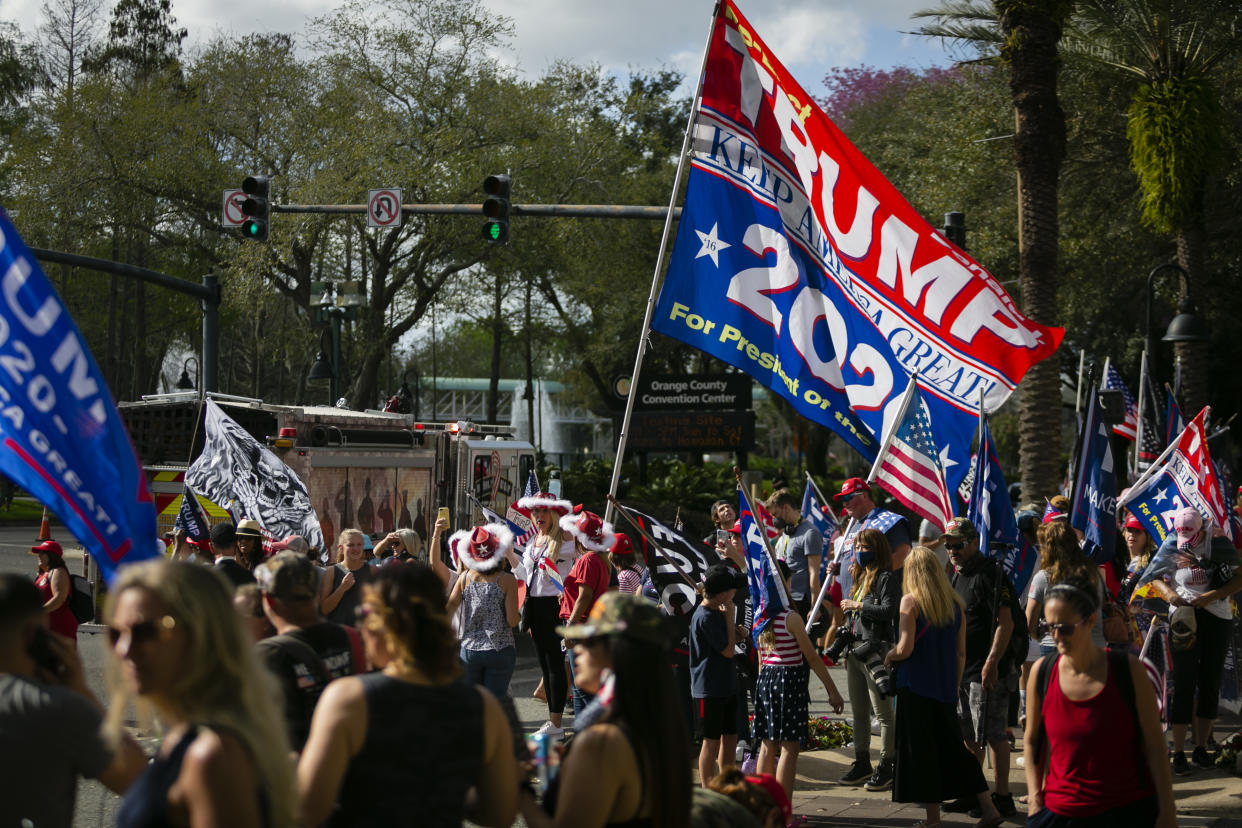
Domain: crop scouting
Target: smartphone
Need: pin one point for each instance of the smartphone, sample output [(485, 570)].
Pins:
[(722, 536), (443, 514)]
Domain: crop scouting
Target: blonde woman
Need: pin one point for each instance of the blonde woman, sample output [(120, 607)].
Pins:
[(933, 764), (341, 589), (402, 545), (225, 758), (544, 566), (406, 745)]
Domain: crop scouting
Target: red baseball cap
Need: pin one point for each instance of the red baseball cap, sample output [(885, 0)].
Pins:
[(852, 486), (49, 546), (775, 790), (1133, 523)]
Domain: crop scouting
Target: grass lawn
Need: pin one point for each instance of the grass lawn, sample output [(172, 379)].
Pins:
[(22, 511)]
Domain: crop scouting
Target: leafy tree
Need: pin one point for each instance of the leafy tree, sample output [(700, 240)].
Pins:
[(1025, 42), (142, 40)]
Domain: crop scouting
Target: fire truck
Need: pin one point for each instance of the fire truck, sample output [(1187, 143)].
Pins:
[(369, 470)]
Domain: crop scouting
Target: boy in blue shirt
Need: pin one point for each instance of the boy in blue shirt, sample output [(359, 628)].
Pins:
[(713, 678)]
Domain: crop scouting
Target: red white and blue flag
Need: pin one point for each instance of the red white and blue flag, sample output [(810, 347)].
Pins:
[(909, 464), (519, 520), (797, 262), (1114, 382), (768, 597), (1182, 476)]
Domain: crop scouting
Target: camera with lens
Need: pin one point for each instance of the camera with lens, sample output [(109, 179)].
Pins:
[(871, 654), (844, 640)]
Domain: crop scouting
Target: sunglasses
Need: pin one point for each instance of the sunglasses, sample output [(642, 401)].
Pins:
[(143, 632), (953, 547), (1050, 628), (850, 497)]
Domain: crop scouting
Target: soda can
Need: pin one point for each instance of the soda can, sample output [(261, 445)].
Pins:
[(541, 753)]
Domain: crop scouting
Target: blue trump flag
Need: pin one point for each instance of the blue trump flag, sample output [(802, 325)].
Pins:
[(768, 598), (191, 516), (1093, 506), (992, 513), (813, 511), (63, 439)]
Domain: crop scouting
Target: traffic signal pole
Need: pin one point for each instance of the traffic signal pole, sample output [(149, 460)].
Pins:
[(616, 211)]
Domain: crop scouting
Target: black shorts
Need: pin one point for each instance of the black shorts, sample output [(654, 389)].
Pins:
[(718, 715)]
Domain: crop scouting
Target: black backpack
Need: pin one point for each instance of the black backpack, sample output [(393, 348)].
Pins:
[(81, 599), (1019, 639)]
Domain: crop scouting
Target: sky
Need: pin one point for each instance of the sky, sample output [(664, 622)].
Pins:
[(808, 36)]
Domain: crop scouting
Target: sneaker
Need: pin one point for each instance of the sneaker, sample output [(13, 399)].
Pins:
[(1180, 766), (549, 729), (882, 779), (964, 805), (1004, 804), (1200, 757), (858, 773)]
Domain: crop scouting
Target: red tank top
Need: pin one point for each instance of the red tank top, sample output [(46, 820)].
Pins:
[(1092, 767)]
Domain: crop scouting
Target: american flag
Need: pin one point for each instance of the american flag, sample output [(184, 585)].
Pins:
[(1152, 445), (520, 524), (908, 465), (1113, 382)]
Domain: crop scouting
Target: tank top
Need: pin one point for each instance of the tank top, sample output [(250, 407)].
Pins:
[(554, 787), (422, 752), (785, 652), (146, 802), (61, 620), (484, 626), (1092, 748), (931, 669)]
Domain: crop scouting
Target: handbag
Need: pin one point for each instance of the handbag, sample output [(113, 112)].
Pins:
[(1183, 628)]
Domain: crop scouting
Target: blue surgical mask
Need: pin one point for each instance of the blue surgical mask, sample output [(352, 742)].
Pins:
[(865, 556)]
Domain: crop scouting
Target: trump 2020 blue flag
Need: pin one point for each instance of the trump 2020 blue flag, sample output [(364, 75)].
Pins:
[(813, 511), (63, 439), (768, 598), (191, 516), (992, 514), (1093, 506), (799, 263)]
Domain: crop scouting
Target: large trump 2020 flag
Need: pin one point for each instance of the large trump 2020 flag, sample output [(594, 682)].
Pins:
[(799, 263)]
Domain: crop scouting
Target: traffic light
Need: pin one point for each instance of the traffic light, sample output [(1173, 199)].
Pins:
[(255, 207), (496, 208), (955, 228)]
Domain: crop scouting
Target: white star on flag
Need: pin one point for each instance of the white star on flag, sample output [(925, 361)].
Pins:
[(712, 245)]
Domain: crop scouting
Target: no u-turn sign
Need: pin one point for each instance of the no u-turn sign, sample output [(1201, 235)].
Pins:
[(384, 208)]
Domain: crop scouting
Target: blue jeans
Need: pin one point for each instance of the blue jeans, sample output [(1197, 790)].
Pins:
[(581, 697), (490, 668)]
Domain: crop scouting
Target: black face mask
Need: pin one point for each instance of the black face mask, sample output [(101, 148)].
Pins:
[(779, 523)]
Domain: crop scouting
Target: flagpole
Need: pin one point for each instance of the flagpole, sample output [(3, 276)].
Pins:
[(655, 544), (1082, 364), (737, 473), (1138, 427), (892, 429), (655, 276), (815, 486), (1154, 468)]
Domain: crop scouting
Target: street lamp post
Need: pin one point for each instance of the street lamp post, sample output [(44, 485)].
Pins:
[(1186, 326), (336, 304), (185, 383)]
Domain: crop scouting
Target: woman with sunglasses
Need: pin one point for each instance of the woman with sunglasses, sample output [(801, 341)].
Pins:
[(1060, 558), (1083, 739), (406, 745), (224, 760), (632, 767), (401, 546), (872, 608)]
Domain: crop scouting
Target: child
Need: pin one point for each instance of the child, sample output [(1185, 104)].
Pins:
[(781, 697), (713, 678)]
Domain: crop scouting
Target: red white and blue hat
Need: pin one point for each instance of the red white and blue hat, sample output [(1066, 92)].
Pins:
[(589, 530), (545, 500), (483, 547)]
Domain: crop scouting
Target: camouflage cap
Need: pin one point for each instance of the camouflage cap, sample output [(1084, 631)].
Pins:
[(620, 613), (960, 527)]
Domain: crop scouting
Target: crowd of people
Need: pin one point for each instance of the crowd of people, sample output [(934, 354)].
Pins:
[(376, 690)]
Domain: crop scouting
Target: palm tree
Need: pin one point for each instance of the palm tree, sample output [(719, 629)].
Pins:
[(1167, 49), (1024, 37)]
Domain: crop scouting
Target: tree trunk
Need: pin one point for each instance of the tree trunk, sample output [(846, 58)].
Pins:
[(1031, 33)]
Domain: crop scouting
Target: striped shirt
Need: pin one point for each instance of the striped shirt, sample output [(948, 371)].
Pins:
[(785, 652)]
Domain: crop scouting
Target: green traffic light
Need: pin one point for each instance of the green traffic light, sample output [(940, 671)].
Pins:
[(493, 230)]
